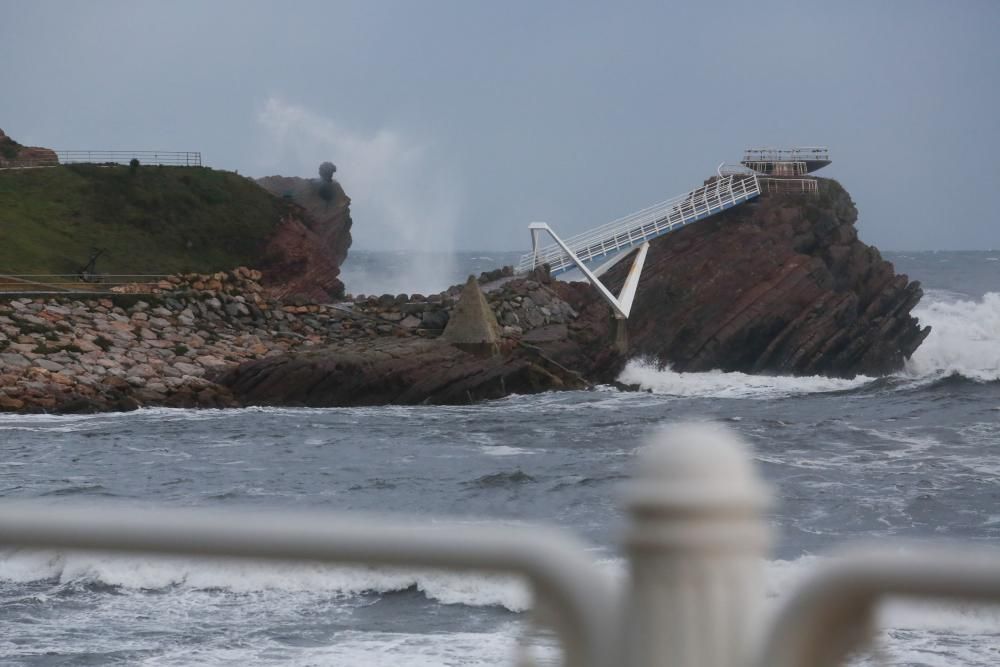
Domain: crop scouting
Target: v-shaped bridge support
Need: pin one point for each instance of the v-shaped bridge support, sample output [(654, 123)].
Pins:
[(622, 304)]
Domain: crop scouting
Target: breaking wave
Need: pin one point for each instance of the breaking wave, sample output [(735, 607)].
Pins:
[(912, 631), (719, 384), (964, 342), (964, 338), (83, 569)]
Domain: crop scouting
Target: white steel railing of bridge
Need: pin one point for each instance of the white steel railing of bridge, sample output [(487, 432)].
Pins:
[(641, 226), (726, 169), (695, 548)]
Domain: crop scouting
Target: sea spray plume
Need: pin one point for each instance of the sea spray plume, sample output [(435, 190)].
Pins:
[(404, 195), (964, 339)]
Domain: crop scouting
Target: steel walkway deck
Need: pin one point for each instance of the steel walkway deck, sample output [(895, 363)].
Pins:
[(649, 223)]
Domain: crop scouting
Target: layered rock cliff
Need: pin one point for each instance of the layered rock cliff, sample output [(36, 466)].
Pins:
[(304, 255), (778, 285)]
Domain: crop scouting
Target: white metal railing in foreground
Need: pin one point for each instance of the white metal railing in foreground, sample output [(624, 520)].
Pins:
[(641, 226), (695, 551)]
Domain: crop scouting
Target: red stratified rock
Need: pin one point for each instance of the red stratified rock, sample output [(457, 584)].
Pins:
[(401, 371), (13, 153), (779, 285), (303, 257)]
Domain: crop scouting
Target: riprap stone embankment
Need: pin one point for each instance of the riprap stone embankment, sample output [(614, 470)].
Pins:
[(211, 340)]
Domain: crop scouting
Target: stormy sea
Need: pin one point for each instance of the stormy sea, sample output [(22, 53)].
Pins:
[(914, 455)]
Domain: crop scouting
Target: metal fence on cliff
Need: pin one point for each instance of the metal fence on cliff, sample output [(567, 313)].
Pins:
[(162, 158)]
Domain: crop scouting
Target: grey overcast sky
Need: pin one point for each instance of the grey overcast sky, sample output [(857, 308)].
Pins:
[(454, 123)]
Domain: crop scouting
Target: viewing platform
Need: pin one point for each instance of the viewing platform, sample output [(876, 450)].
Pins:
[(795, 161), (785, 170)]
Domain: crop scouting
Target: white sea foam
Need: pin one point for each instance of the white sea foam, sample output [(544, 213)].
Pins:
[(351, 647), (964, 338), (911, 632), (504, 450), (718, 384), (249, 576), (163, 574)]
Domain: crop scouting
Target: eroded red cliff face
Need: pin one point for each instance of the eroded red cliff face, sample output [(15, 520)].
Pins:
[(779, 285), (303, 256), (13, 153)]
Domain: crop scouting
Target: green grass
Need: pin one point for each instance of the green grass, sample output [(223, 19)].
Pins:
[(155, 220)]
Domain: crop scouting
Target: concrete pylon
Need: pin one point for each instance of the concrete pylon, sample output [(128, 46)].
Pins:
[(472, 326)]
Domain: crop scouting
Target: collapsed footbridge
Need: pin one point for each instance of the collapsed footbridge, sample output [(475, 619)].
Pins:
[(615, 239)]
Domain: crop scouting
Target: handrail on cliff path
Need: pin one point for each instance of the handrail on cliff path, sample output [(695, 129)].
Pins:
[(100, 157)]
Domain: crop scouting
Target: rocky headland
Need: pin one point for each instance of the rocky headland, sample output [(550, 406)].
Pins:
[(778, 285), (148, 218), (303, 257)]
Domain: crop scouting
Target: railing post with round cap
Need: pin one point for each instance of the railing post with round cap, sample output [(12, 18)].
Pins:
[(695, 547)]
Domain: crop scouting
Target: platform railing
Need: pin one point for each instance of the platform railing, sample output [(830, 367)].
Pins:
[(75, 283), (774, 168), (37, 163), (695, 545), (641, 226), (796, 153), (779, 185)]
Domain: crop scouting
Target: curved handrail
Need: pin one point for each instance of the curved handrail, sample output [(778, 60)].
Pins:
[(830, 614), (553, 561)]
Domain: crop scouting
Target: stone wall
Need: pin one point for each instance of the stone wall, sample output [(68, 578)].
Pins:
[(520, 306)]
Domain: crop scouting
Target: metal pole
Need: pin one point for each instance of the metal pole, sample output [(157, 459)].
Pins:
[(695, 548)]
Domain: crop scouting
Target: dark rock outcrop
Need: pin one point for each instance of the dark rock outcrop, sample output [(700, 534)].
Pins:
[(304, 255), (556, 340), (779, 285), (405, 371)]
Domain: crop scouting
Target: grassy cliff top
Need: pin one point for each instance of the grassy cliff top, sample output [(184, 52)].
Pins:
[(150, 220)]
